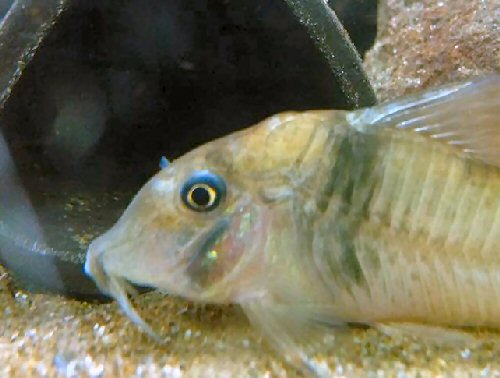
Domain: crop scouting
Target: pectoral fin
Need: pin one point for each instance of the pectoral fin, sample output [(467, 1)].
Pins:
[(466, 116), (428, 334), (292, 331)]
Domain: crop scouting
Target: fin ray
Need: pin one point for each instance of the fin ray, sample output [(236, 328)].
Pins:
[(428, 334), (465, 116), (292, 330)]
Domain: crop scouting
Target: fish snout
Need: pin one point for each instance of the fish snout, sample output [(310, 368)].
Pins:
[(94, 267)]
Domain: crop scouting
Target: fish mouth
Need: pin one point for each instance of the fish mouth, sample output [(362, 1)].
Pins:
[(116, 287), (119, 288), (94, 269)]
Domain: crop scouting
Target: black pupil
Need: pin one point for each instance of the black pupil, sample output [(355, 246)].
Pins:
[(200, 196)]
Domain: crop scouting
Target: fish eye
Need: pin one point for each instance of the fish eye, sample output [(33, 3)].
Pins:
[(203, 191)]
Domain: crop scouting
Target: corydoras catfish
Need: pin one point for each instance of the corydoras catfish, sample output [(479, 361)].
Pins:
[(385, 215)]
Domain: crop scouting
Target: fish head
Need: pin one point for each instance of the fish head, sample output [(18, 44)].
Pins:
[(210, 226), (194, 230)]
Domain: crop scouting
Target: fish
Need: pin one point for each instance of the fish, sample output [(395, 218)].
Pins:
[(315, 220)]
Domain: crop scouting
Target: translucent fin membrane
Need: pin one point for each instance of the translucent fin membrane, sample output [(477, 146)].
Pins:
[(466, 116)]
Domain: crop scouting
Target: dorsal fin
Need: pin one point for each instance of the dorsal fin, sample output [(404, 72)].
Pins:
[(465, 115)]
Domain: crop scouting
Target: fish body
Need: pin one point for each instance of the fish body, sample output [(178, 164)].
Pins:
[(388, 214)]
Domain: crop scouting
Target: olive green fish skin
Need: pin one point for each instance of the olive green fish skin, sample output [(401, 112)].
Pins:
[(384, 215), (422, 241), (408, 229)]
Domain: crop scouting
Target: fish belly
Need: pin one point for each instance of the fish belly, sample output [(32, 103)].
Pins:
[(427, 249)]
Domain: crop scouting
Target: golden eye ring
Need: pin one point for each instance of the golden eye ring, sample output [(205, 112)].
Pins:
[(201, 196), (203, 191)]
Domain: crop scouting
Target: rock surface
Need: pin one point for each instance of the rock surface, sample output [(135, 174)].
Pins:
[(431, 42)]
